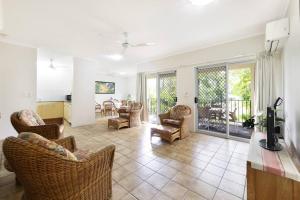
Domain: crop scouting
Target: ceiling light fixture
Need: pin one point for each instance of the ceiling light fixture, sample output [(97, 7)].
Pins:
[(116, 57), (201, 2), (51, 64)]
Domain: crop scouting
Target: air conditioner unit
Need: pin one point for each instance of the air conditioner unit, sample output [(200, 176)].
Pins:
[(277, 33)]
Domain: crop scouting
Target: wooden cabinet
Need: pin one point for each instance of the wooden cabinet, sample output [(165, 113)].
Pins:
[(68, 112), (50, 109), (271, 175)]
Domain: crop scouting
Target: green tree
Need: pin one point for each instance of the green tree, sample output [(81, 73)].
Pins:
[(242, 87)]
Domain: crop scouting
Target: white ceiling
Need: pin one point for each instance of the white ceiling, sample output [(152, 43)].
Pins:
[(92, 28)]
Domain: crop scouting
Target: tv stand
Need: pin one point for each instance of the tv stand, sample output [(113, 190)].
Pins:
[(271, 174), (277, 146)]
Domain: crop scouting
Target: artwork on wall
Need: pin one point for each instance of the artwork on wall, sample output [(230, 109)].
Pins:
[(104, 87)]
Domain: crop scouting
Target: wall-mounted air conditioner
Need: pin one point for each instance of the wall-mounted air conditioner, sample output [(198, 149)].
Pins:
[(277, 33)]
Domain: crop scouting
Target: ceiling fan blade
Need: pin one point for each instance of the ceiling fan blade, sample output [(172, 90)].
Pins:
[(143, 44)]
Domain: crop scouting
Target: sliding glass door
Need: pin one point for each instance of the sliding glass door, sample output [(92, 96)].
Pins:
[(225, 99), (212, 95), (161, 94)]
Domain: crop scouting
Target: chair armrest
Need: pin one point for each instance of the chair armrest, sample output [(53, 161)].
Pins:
[(96, 166), (49, 131), (58, 121), (68, 143), (163, 116), (123, 110), (185, 120)]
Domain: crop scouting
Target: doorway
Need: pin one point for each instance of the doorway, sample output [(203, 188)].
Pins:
[(161, 94), (225, 99)]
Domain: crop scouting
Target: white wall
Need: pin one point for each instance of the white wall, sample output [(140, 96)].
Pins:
[(17, 83), (53, 84), (83, 92), (121, 87), (291, 58), (185, 64)]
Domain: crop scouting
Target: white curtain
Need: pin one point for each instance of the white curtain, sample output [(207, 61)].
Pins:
[(142, 94), (268, 80)]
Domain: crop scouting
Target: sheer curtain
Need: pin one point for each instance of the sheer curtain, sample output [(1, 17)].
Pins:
[(268, 80), (142, 94)]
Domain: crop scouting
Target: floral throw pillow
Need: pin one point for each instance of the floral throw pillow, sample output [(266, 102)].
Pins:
[(30, 118), (47, 144)]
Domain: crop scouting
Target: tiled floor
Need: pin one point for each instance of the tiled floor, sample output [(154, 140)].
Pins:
[(198, 167)]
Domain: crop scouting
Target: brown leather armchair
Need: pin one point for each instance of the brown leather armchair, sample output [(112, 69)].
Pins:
[(179, 116), (47, 175), (132, 113), (51, 129)]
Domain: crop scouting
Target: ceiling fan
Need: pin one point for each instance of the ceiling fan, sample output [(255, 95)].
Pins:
[(126, 44)]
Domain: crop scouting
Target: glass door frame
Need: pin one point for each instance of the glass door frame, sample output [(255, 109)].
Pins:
[(214, 133), (157, 77)]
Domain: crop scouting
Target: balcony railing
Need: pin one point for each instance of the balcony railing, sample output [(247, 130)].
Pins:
[(239, 110)]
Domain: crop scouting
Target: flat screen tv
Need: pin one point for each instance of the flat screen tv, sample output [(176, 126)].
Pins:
[(102, 87)]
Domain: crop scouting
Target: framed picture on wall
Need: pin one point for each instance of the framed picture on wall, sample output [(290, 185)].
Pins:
[(104, 87)]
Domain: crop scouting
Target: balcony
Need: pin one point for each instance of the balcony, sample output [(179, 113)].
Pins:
[(212, 117)]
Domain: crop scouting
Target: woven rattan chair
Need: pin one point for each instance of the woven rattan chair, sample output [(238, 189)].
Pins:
[(132, 113), (46, 175), (53, 128), (179, 117)]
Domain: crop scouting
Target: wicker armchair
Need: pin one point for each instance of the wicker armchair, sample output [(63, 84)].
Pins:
[(132, 113), (179, 116), (52, 130), (47, 175)]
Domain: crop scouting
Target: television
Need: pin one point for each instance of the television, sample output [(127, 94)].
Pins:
[(271, 143), (104, 87)]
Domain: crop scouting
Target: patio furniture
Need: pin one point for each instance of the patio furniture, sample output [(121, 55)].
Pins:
[(118, 123), (179, 116), (204, 116), (167, 133), (98, 108), (123, 103), (46, 173), (29, 121), (132, 113), (109, 108)]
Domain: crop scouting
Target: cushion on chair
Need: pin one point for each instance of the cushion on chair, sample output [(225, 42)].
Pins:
[(179, 111), (30, 118), (47, 144), (172, 122)]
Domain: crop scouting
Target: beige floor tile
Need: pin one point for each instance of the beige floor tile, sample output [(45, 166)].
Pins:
[(130, 182), (161, 196), (167, 171), (237, 169), (199, 163), (174, 190), (191, 170), (203, 189), (129, 197), (144, 159), (144, 172), (176, 164), (155, 165), (120, 173), (222, 195), (183, 179), (210, 178), (157, 180), (231, 187), (219, 163), (189, 195), (235, 177), (144, 191), (132, 166), (118, 192), (214, 170)]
